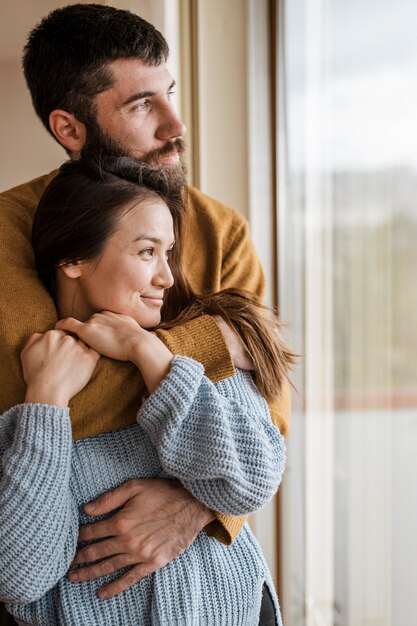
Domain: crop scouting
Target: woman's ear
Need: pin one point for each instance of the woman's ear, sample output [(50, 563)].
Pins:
[(70, 133), (71, 270)]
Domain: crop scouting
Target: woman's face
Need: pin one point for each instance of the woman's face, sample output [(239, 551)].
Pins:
[(132, 271)]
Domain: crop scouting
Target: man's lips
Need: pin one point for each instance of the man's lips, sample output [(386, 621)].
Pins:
[(167, 155), (172, 157)]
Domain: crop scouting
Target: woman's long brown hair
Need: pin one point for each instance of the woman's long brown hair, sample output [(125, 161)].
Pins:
[(257, 327)]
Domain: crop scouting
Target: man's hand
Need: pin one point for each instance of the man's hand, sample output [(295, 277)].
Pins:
[(158, 521), (240, 357)]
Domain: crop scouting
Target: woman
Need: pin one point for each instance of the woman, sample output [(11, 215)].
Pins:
[(104, 245)]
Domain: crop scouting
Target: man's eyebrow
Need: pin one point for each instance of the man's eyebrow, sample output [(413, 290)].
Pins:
[(138, 96), (145, 94)]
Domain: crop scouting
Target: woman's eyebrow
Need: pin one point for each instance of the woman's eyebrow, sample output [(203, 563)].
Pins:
[(155, 240), (147, 238)]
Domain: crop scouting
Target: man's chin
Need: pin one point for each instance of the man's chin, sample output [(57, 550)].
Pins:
[(177, 169)]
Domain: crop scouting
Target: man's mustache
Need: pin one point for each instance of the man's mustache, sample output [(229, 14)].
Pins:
[(175, 145)]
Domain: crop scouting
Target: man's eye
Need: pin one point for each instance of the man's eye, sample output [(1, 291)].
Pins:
[(141, 106), (170, 94)]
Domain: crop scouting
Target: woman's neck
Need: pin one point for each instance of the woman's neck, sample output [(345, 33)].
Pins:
[(69, 301)]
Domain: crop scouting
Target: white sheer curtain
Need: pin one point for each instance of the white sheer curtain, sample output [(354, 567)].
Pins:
[(347, 191)]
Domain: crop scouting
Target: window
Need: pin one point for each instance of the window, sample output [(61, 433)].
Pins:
[(347, 194)]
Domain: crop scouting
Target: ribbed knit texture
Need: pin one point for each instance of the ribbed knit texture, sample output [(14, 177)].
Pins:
[(228, 459), (217, 439), (186, 340), (217, 253)]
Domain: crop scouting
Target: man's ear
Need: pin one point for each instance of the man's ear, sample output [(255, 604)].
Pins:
[(71, 270), (68, 130)]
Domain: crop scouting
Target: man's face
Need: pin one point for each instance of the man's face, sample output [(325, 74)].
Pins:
[(135, 116)]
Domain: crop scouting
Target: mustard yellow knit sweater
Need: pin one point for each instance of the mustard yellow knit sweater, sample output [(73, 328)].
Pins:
[(218, 253)]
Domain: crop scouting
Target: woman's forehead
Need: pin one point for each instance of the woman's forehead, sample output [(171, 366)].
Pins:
[(148, 217)]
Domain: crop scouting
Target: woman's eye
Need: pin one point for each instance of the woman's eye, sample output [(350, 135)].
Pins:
[(146, 252)]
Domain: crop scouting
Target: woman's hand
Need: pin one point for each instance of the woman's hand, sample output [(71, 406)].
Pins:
[(56, 367), (119, 337), (112, 334)]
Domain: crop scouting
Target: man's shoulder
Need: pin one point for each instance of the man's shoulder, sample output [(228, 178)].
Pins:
[(27, 194), (204, 205)]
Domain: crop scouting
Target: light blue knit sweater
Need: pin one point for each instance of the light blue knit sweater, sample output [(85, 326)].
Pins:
[(218, 440)]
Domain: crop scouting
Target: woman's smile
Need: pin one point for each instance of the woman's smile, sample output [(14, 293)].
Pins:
[(155, 301)]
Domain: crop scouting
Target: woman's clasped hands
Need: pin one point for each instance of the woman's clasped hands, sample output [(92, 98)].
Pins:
[(56, 366), (59, 363), (120, 337)]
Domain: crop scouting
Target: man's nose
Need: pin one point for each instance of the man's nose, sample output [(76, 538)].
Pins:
[(170, 126)]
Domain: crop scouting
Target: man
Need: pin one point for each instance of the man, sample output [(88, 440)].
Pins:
[(99, 82)]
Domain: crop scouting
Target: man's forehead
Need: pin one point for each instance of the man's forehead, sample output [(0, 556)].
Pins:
[(132, 75)]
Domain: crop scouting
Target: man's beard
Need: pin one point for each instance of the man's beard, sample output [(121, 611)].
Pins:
[(100, 143)]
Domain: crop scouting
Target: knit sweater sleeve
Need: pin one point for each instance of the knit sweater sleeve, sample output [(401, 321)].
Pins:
[(38, 517), (218, 440), (201, 339)]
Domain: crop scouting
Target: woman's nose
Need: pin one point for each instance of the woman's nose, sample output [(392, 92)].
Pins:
[(164, 277)]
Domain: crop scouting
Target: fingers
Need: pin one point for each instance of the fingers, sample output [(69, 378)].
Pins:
[(97, 551), (114, 499), (93, 354), (240, 356), (69, 324), (31, 340), (108, 566), (134, 575), (38, 337), (96, 530)]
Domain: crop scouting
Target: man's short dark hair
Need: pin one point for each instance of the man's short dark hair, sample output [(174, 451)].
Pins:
[(67, 54)]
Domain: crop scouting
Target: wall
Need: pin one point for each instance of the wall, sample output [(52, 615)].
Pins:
[(222, 97)]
